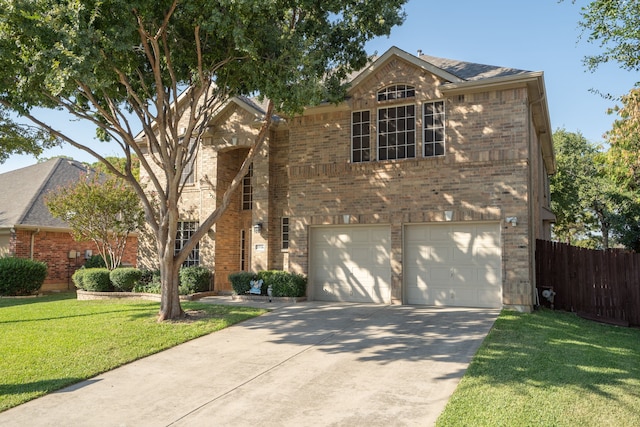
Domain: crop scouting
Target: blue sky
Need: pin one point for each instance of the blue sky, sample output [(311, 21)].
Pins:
[(540, 35)]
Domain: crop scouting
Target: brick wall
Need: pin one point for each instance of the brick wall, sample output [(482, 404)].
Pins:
[(53, 247), (491, 170)]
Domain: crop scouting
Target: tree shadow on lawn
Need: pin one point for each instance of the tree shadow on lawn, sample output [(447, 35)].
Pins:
[(558, 349), (133, 313), (18, 301)]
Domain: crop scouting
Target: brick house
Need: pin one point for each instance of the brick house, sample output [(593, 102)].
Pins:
[(28, 230), (427, 185)]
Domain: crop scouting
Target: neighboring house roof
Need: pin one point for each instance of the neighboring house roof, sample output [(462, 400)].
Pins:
[(23, 192)]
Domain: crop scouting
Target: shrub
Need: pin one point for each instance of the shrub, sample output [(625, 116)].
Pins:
[(285, 284), (95, 261), (21, 276), (96, 280), (194, 279), (240, 281), (149, 276), (124, 279), (150, 288), (77, 278)]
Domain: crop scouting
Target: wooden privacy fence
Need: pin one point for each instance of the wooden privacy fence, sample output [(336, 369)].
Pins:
[(603, 285)]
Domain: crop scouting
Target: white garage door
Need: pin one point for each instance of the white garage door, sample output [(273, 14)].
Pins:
[(453, 265), (350, 264)]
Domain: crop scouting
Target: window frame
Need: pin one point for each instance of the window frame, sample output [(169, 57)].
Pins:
[(183, 234), (359, 138), (188, 175), (438, 123), (395, 92), (408, 146), (247, 190), (285, 230)]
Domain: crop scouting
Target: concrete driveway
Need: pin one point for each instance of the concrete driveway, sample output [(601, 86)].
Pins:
[(303, 364)]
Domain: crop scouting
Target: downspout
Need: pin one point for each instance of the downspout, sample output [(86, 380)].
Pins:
[(33, 239), (532, 225)]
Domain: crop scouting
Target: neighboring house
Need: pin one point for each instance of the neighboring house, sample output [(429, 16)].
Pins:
[(28, 230), (427, 185)]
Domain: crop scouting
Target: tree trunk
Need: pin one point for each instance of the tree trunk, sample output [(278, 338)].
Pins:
[(169, 270), (170, 297)]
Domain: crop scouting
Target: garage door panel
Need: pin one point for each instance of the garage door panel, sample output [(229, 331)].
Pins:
[(350, 264), (438, 254), (455, 265)]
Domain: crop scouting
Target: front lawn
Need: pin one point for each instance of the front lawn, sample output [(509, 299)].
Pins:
[(51, 342), (550, 369)]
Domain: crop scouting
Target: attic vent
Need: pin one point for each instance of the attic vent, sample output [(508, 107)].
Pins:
[(419, 52), (460, 98)]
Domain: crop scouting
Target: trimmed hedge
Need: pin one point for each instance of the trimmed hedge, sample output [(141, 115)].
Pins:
[(124, 279), (240, 281), (21, 276), (96, 280), (77, 278), (149, 282), (95, 261), (283, 283), (194, 279)]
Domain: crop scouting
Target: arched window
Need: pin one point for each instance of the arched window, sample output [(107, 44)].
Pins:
[(396, 92)]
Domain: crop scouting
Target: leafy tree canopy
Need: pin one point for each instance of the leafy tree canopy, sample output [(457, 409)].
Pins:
[(103, 210), (18, 138), (106, 61), (614, 25)]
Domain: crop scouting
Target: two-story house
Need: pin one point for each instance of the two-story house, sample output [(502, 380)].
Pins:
[(427, 185)]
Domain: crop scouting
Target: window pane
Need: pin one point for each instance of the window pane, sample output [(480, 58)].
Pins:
[(428, 150)]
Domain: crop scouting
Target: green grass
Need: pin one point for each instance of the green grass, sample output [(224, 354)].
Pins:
[(51, 342), (550, 369)]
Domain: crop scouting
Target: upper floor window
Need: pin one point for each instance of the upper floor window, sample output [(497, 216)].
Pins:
[(396, 92), (397, 132), (433, 129), (185, 230), (360, 136), (188, 172), (247, 190)]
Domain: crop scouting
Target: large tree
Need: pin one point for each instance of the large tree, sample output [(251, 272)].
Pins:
[(582, 195), (161, 65), (19, 138), (623, 167), (613, 24)]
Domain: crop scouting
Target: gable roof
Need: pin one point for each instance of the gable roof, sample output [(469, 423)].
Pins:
[(24, 190), (463, 77), (450, 70)]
